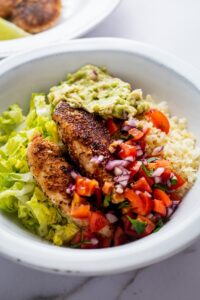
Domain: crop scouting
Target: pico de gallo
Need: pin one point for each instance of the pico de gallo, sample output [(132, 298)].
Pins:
[(141, 197)]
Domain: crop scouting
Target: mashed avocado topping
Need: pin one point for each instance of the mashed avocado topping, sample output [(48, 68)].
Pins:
[(96, 91)]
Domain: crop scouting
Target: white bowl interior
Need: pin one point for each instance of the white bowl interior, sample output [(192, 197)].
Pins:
[(40, 73)]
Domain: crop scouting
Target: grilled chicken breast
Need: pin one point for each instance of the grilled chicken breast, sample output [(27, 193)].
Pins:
[(6, 7), (85, 137), (36, 15), (50, 170)]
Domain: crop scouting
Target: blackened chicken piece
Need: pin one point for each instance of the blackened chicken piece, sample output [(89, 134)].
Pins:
[(50, 170), (36, 15), (85, 137), (6, 7)]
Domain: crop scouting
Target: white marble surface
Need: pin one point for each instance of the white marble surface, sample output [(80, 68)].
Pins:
[(173, 25)]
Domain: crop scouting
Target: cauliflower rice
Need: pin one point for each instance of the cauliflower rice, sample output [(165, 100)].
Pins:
[(179, 145)]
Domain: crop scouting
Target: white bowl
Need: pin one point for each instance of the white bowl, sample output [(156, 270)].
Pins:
[(159, 74)]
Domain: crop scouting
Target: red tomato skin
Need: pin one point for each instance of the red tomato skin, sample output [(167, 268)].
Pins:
[(97, 221)]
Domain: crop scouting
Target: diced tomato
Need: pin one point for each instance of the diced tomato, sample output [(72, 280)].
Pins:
[(105, 242), (175, 197), (159, 207), (161, 195), (112, 127), (81, 212), (85, 186), (98, 197), (142, 185), (160, 163), (136, 134), (97, 222), (127, 150), (141, 204), (76, 239), (128, 228), (150, 225), (166, 174), (134, 168), (147, 202), (87, 236), (141, 173), (107, 188), (135, 200), (119, 237), (158, 119), (179, 183)]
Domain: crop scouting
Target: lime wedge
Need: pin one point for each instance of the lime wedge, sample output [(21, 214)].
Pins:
[(9, 31)]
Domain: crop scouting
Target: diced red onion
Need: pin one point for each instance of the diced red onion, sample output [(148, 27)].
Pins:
[(94, 241), (106, 231), (70, 189), (129, 124), (119, 189), (139, 152), (170, 211), (157, 150), (117, 171), (130, 158), (126, 128), (121, 178), (124, 183), (116, 163), (97, 159), (172, 176), (150, 216), (132, 122), (138, 192), (111, 218), (158, 172), (138, 147), (137, 166), (147, 194), (176, 202), (169, 183), (157, 179), (74, 174)]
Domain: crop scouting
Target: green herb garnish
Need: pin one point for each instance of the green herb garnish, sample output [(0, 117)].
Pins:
[(123, 204), (125, 137), (106, 201), (137, 225), (174, 181), (152, 159), (159, 225), (161, 187), (147, 172)]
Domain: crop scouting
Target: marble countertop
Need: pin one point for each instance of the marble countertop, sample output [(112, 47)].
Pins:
[(172, 25)]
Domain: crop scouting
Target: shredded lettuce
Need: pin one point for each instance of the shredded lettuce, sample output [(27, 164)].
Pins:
[(19, 193)]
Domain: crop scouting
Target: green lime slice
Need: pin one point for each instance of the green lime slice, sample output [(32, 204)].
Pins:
[(9, 31)]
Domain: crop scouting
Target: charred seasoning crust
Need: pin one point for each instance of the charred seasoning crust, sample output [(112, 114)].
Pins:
[(88, 130)]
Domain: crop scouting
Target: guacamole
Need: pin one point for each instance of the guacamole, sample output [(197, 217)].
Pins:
[(96, 91)]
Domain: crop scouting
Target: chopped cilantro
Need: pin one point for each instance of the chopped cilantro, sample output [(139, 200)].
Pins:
[(106, 200), (162, 187), (174, 181), (152, 159), (137, 225), (125, 137), (159, 225), (148, 172), (123, 204)]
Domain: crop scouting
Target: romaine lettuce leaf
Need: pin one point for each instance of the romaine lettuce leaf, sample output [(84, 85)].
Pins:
[(19, 193)]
